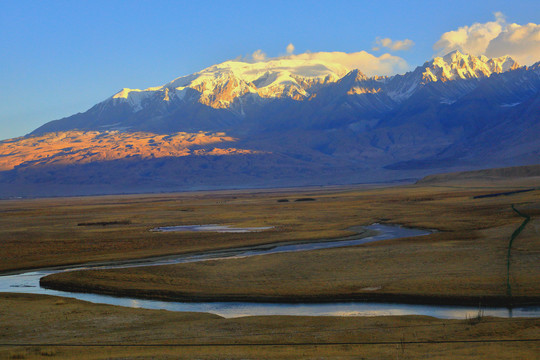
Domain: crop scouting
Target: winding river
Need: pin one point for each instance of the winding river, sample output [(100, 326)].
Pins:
[(28, 282)]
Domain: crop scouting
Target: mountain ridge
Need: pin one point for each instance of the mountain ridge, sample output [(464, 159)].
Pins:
[(240, 86), (291, 122)]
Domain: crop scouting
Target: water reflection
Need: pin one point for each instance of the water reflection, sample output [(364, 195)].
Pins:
[(210, 228), (29, 283)]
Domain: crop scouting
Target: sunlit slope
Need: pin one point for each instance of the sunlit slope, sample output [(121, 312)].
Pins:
[(81, 147)]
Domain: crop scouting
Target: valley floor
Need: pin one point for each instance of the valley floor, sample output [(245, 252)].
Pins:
[(464, 262), (467, 257)]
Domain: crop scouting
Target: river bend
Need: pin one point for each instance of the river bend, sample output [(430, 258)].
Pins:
[(28, 282)]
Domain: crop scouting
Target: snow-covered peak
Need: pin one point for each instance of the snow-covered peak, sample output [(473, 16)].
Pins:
[(283, 68), (228, 84), (124, 93), (219, 85), (357, 75), (535, 67), (456, 65), (502, 64), (134, 97), (272, 78), (357, 83)]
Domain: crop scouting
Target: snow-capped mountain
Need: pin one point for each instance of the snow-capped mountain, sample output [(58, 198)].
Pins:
[(291, 121), (449, 69), (456, 65), (238, 94), (220, 85)]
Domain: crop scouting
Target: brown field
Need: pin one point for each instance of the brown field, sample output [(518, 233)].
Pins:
[(30, 229), (466, 258), (465, 262), (46, 321)]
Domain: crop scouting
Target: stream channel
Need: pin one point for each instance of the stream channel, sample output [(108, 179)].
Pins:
[(28, 282)]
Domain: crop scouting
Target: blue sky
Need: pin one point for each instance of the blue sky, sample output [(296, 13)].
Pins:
[(61, 57)]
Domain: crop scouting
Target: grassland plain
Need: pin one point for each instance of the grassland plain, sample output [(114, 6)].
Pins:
[(37, 233), (46, 232), (467, 256), (463, 263), (51, 323)]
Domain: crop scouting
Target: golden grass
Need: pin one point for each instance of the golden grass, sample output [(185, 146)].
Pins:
[(465, 262), (30, 229), (50, 320)]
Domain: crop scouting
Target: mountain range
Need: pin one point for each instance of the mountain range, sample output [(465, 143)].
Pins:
[(286, 122)]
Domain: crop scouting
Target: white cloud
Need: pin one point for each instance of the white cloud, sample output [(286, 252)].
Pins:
[(395, 45), (290, 48), (369, 64), (472, 39), (522, 42), (494, 39), (258, 55)]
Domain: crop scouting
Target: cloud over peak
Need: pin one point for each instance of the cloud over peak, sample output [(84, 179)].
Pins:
[(369, 64), (494, 39), (258, 55), (522, 42), (395, 45), (290, 48)]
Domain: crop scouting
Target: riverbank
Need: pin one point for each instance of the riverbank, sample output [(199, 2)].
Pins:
[(423, 270), (391, 298), (63, 328), (360, 233), (465, 263)]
